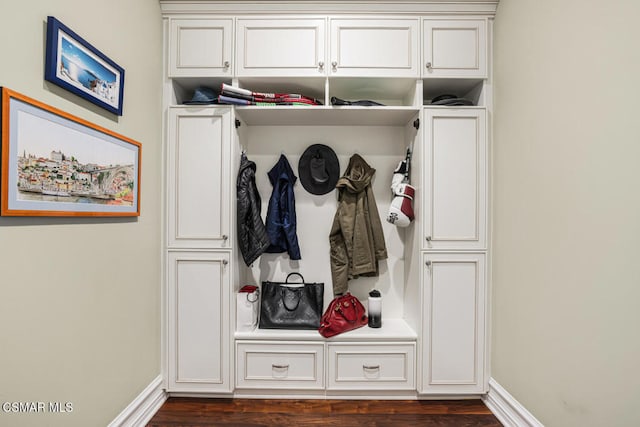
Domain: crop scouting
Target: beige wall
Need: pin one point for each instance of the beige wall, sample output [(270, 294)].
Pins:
[(80, 298), (566, 153)]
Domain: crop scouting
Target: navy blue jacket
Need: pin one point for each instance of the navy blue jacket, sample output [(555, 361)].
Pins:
[(281, 213)]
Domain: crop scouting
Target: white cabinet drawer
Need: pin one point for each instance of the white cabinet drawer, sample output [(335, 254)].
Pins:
[(266, 365), (372, 366)]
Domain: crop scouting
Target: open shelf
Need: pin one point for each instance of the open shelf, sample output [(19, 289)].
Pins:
[(326, 116), (391, 330)]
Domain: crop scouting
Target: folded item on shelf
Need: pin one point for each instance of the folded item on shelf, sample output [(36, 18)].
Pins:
[(232, 93), (448, 99), (364, 102)]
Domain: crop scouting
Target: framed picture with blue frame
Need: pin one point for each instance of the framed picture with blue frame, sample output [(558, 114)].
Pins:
[(75, 65)]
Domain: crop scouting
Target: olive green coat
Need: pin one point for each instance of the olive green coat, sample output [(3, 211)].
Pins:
[(356, 238)]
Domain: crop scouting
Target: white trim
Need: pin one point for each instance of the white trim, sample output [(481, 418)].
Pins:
[(466, 7), (144, 406), (507, 409)]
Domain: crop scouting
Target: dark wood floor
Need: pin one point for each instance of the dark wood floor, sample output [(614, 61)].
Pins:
[(200, 412)]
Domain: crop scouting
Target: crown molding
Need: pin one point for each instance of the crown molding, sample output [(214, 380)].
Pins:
[(443, 7)]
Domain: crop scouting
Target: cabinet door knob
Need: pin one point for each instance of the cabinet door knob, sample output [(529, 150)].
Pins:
[(428, 65), (225, 237), (334, 65), (321, 65), (428, 263), (225, 262), (226, 64), (428, 238)]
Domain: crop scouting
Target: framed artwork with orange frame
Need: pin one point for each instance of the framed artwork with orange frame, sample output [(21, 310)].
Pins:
[(57, 164)]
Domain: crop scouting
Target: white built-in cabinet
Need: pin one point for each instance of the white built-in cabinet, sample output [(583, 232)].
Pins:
[(453, 341), (454, 245), (455, 178), (300, 42), (200, 47), (198, 318), (435, 281), (198, 238), (454, 48), (199, 176), (374, 47)]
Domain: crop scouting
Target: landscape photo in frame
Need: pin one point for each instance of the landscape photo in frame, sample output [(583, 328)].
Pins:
[(75, 65)]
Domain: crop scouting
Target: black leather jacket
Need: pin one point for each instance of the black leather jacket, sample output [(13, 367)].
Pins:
[(252, 234)]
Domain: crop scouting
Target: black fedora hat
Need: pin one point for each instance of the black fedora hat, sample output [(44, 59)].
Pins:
[(319, 169)]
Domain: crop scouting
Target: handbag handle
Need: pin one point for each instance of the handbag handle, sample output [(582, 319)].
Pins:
[(291, 274), (347, 304)]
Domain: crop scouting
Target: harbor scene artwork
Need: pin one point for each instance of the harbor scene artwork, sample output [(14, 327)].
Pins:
[(56, 164), (61, 177)]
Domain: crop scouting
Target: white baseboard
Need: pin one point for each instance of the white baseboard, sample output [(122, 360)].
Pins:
[(507, 409), (143, 408)]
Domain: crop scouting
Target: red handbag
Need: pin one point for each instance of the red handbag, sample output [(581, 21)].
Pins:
[(344, 313)]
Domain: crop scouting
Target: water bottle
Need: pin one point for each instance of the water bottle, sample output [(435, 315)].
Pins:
[(375, 309)]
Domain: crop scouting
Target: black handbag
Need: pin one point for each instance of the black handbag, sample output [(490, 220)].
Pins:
[(291, 305)]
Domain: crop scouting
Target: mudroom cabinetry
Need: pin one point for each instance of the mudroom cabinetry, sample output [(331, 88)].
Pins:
[(454, 245), (198, 256), (434, 282)]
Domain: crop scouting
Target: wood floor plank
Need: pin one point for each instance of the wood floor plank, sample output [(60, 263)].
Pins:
[(198, 412)]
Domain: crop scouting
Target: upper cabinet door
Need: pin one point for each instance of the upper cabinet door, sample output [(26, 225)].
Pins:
[(281, 47), (199, 181), (455, 48), (455, 179), (374, 47), (200, 47)]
